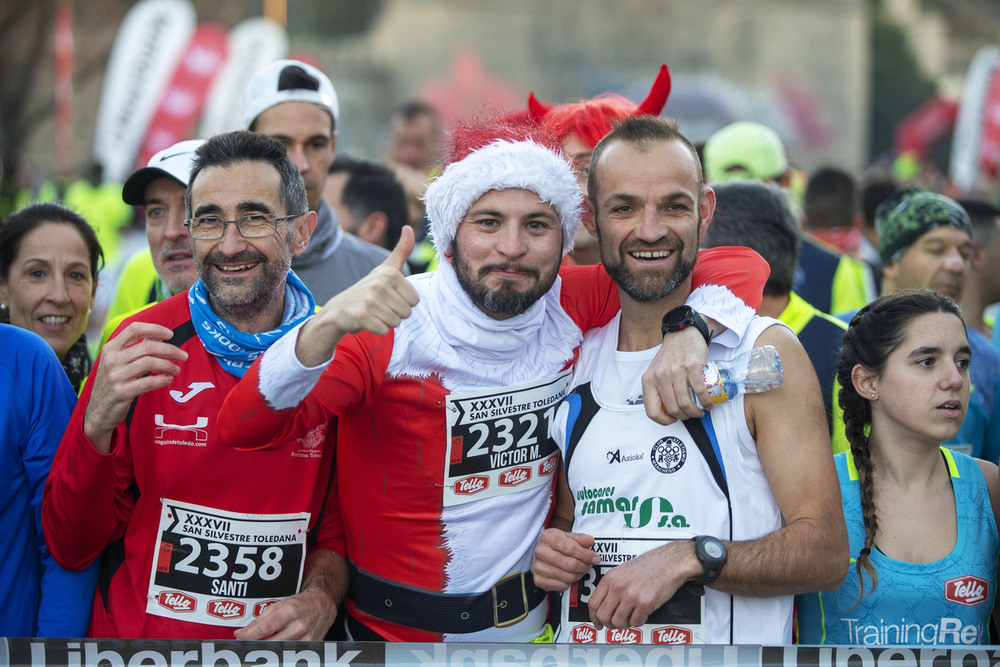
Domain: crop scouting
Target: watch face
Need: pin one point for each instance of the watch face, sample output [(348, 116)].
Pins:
[(713, 548), (678, 315)]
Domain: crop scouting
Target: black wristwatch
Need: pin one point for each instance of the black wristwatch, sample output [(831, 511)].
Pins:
[(682, 317), (712, 555)]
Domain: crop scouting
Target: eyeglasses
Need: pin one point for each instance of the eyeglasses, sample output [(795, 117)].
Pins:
[(251, 226)]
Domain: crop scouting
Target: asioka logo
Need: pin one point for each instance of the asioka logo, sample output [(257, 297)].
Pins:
[(226, 609), (624, 636), (616, 457), (176, 601), (471, 485), (515, 476), (584, 634), (671, 634), (968, 590)]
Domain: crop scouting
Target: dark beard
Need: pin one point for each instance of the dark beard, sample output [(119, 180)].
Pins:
[(503, 301)]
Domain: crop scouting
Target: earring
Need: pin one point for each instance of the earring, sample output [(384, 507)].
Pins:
[(874, 395)]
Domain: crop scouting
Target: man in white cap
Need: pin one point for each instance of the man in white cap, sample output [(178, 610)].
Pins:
[(167, 266), (296, 104), (444, 385)]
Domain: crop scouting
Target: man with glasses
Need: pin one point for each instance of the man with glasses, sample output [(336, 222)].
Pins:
[(195, 539)]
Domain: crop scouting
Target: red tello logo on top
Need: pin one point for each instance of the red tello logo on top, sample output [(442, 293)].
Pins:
[(967, 590), (471, 485), (548, 466), (515, 476), (226, 609), (584, 634), (259, 608), (176, 601), (671, 634), (624, 636)]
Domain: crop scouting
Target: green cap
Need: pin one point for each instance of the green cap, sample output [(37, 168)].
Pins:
[(744, 150)]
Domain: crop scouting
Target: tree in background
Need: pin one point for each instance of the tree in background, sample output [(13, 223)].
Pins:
[(898, 84)]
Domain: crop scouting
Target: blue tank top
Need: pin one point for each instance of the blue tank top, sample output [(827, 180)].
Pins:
[(945, 602)]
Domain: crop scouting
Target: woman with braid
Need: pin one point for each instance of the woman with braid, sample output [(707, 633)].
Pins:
[(921, 518)]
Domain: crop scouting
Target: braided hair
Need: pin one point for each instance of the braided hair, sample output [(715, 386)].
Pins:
[(874, 333)]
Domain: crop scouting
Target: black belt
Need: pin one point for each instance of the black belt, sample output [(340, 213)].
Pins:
[(506, 603)]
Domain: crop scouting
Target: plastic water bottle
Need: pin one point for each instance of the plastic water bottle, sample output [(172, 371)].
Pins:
[(752, 372)]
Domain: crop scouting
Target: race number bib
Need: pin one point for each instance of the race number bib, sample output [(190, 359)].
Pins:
[(224, 568), (499, 442), (681, 620)]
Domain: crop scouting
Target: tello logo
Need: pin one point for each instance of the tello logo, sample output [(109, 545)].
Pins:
[(259, 608), (624, 636), (471, 485), (176, 601), (967, 590), (515, 476), (548, 466), (226, 608), (671, 634), (584, 634)]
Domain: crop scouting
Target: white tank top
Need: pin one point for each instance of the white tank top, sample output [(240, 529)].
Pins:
[(637, 483)]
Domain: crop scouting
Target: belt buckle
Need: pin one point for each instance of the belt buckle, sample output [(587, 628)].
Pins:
[(524, 602)]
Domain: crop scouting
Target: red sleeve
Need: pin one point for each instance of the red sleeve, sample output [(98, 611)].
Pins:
[(588, 295), (740, 269), (247, 422), (82, 477)]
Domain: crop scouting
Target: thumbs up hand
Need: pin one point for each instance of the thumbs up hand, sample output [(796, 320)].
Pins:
[(376, 303)]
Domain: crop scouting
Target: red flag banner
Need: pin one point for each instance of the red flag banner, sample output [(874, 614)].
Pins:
[(989, 144), (931, 122), (64, 89), (186, 94)]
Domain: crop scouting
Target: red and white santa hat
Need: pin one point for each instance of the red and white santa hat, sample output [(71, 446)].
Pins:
[(500, 165)]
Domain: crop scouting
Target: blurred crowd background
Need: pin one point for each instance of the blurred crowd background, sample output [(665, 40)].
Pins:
[(856, 84)]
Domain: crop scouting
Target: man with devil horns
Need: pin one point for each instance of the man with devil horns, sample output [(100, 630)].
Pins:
[(444, 385)]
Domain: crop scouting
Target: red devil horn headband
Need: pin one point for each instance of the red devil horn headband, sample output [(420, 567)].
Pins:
[(653, 104), (536, 109), (658, 94)]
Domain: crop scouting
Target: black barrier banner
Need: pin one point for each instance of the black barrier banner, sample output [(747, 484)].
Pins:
[(185, 653), (190, 653)]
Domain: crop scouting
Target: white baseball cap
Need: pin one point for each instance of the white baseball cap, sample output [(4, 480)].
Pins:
[(174, 162), (288, 81)]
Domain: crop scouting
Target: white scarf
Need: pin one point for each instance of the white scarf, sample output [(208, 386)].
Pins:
[(448, 336)]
